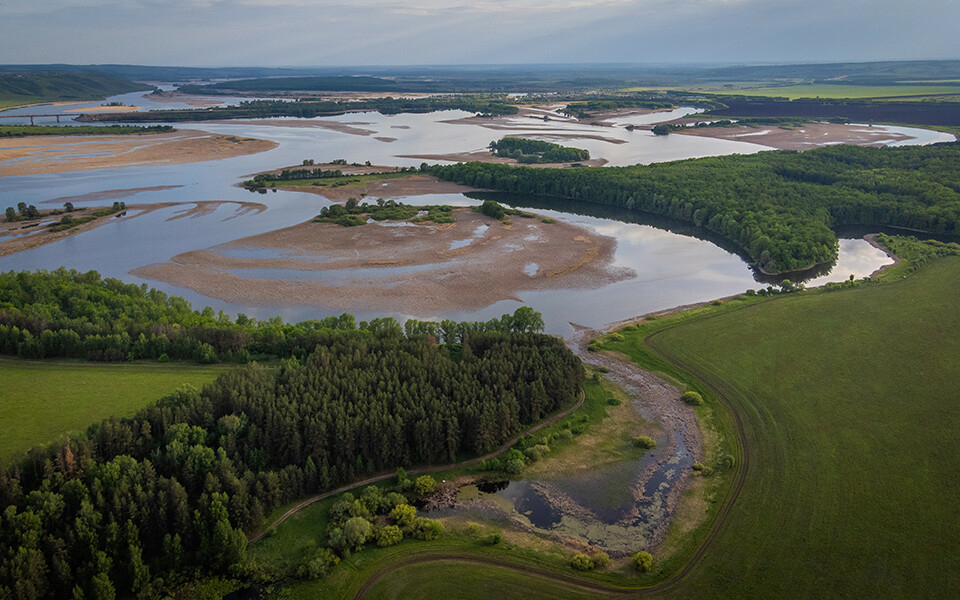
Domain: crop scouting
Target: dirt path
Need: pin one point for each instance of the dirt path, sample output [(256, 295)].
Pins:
[(421, 470)]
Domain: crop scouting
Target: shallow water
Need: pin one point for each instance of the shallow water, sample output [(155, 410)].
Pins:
[(672, 266)]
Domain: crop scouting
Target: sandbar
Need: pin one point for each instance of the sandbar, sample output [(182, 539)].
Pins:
[(810, 135), (399, 267), (61, 154), (399, 187)]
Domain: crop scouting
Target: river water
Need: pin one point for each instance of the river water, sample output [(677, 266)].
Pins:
[(673, 266)]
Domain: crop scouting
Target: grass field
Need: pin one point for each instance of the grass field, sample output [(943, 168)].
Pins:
[(42, 400), (850, 414), (850, 91)]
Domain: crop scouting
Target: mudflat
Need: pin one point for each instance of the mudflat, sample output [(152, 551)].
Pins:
[(61, 154), (397, 266), (811, 135)]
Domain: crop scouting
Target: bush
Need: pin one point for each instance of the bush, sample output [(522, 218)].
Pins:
[(645, 442), (426, 529), (389, 535), (403, 515), (603, 369), (701, 469), (318, 564), (642, 561), (613, 401), (473, 529), (692, 398), (600, 560), (492, 209), (493, 539), (425, 485), (582, 562), (727, 461)]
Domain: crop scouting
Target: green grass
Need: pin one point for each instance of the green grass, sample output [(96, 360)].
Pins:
[(850, 91), (432, 580), (43, 400), (850, 411), (849, 405)]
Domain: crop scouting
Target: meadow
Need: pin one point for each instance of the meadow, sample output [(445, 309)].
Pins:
[(848, 413), (43, 400)]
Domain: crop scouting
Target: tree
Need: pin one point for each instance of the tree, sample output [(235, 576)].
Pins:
[(11, 214), (600, 560), (492, 209), (68, 206), (403, 515), (425, 485), (389, 535), (356, 532), (645, 442), (642, 561), (692, 398)]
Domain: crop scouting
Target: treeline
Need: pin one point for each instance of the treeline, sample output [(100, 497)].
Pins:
[(778, 207), (349, 213), (258, 109), (583, 109), (67, 314), (261, 179), (136, 505), (24, 130), (534, 151)]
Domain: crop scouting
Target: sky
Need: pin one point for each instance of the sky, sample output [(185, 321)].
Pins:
[(436, 32)]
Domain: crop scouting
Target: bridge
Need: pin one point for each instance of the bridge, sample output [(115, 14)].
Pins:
[(3, 116)]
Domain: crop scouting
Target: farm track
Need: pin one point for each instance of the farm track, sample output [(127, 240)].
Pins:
[(420, 470)]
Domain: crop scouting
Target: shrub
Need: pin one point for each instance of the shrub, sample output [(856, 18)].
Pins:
[(701, 469), (582, 562), (493, 539), (600, 560), (727, 461), (613, 401), (645, 442), (389, 535), (603, 369), (473, 529), (642, 561), (425, 485), (692, 398), (565, 434), (403, 515), (163, 358), (318, 564), (492, 209), (426, 529)]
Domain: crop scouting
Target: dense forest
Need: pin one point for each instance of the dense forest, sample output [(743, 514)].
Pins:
[(859, 111), (66, 314), (778, 207), (257, 109), (535, 151), (31, 86), (135, 505)]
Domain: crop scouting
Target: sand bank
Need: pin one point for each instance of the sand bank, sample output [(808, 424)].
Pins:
[(60, 154), (416, 269), (811, 135), (400, 187)]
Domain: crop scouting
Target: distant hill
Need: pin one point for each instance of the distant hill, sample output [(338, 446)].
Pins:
[(29, 87)]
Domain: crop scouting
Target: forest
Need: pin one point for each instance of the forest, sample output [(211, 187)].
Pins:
[(778, 207), (67, 314), (527, 151), (139, 505), (308, 109)]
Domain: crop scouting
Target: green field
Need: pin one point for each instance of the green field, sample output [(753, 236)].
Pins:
[(42, 400), (850, 411), (850, 91)]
